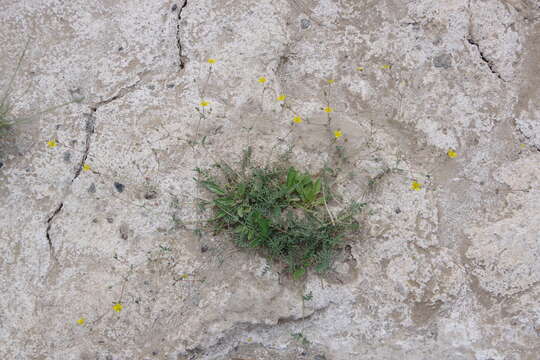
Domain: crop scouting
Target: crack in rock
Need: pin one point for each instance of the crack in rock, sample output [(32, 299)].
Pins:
[(181, 57), (488, 62), (47, 232), (90, 127), (235, 335), (121, 93)]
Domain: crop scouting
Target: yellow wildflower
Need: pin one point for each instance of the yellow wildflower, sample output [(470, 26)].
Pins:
[(249, 339), (281, 97), (184, 276), (330, 81), (204, 103), (262, 80), (416, 185), (81, 321), (211, 61), (386, 67), (360, 68), (297, 119), (338, 134), (451, 153), (523, 146), (118, 307), (86, 167), (328, 109), (52, 144)]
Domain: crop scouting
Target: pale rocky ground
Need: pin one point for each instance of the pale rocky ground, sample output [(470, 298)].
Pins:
[(448, 272)]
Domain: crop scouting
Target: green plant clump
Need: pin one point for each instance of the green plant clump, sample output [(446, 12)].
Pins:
[(279, 211)]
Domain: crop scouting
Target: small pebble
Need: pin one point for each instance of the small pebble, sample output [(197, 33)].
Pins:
[(119, 187), (110, 220), (305, 23), (174, 7), (67, 156), (204, 248), (398, 210), (124, 231), (443, 61), (170, 86), (1, 164), (92, 188), (150, 195)]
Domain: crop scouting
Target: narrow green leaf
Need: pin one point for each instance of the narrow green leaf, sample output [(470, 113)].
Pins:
[(291, 176), (213, 187), (298, 273), (318, 185)]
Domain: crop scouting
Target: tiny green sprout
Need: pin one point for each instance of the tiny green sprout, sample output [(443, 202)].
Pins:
[(300, 338), (308, 297), (165, 248)]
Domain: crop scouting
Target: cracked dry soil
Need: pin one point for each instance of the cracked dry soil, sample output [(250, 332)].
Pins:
[(447, 271)]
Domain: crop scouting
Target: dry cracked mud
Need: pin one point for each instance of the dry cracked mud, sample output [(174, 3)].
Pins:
[(448, 271)]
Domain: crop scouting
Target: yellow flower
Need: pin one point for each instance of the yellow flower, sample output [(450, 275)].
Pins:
[(86, 167), (523, 146), (117, 307), (184, 276), (81, 321), (281, 97), (52, 144), (416, 185), (262, 80), (451, 154), (204, 103), (360, 68), (297, 119), (330, 81), (249, 339), (338, 134), (386, 67), (328, 109), (212, 61)]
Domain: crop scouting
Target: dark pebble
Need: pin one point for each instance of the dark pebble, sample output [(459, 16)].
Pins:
[(110, 220), (155, 353), (92, 188), (398, 210), (174, 7), (1, 164), (124, 231), (204, 248), (305, 23), (119, 187), (120, 48), (150, 195), (443, 61), (170, 86)]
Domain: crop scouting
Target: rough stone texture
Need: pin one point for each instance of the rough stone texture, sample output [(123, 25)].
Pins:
[(448, 272)]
